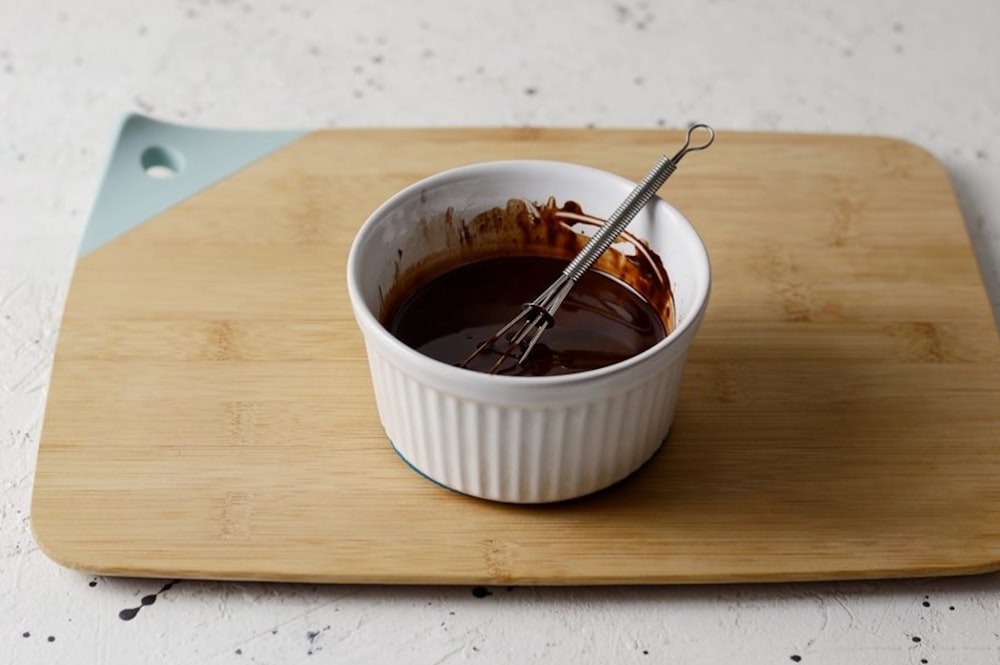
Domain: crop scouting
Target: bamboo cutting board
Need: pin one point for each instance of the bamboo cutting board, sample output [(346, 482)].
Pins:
[(210, 413)]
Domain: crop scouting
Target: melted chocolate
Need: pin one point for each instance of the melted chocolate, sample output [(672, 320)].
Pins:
[(447, 305), (601, 322)]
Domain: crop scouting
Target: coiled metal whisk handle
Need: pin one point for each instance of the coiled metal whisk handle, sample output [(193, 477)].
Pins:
[(632, 204)]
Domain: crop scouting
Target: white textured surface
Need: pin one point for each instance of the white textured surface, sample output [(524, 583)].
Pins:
[(924, 70)]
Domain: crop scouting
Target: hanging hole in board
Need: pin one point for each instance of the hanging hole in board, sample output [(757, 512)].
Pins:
[(161, 163)]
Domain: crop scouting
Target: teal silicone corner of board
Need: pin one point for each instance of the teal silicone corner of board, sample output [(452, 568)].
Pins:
[(155, 165)]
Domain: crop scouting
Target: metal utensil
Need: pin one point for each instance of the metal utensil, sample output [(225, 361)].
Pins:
[(520, 335)]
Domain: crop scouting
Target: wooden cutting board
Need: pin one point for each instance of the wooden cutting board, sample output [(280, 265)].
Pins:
[(210, 413)]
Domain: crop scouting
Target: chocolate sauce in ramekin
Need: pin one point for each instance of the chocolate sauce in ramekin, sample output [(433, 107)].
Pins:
[(446, 305)]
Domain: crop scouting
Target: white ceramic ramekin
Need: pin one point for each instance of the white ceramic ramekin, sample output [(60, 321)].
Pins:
[(514, 438)]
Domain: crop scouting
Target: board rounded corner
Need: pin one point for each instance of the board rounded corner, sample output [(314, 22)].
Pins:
[(53, 552), (918, 154)]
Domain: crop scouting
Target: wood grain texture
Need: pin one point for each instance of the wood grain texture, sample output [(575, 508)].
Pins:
[(210, 412)]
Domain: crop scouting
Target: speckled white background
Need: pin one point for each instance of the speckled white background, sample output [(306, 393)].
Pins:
[(927, 71)]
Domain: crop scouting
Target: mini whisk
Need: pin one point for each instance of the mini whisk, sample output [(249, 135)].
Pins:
[(516, 339)]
